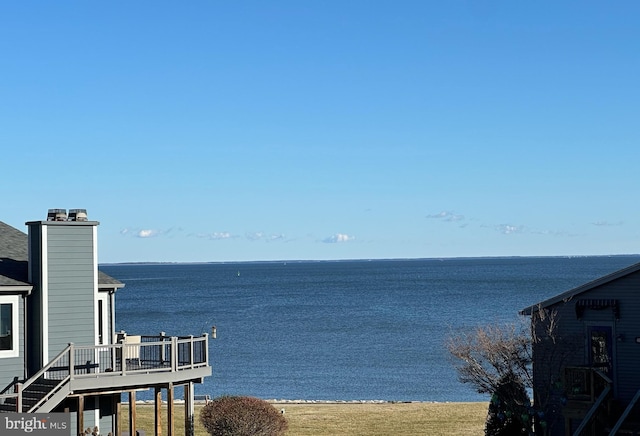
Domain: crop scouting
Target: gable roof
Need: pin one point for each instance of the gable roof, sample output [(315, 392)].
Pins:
[(568, 295), (14, 261)]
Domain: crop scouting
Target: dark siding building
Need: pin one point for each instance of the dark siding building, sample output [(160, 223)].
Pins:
[(586, 367)]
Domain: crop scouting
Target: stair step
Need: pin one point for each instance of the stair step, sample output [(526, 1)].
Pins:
[(39, 389), (45, 382), (7, 408)]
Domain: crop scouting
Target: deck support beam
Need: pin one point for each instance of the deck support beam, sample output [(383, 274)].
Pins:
[(189, 429), (80, 414), (158, 410), (117, 420), (132, 412), (170, 415)]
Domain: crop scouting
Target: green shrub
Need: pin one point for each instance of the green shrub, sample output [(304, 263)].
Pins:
[(508, 413), (242, 416)]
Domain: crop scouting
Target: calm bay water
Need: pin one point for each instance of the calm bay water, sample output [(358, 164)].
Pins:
[(348, 330)]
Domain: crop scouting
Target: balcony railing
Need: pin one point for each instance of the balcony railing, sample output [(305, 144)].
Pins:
[(132, 355), (585, 383)]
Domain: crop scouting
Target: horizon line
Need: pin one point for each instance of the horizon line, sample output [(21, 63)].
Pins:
[(362, 259)]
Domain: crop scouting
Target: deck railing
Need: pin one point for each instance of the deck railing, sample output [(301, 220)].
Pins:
[(585, 383), (131, 355), (134, 354)]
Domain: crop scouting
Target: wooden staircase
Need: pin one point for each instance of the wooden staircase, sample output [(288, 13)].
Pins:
[(37, 391), (31, 395)]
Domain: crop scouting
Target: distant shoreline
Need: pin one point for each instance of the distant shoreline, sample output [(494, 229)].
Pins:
[(396, 259)]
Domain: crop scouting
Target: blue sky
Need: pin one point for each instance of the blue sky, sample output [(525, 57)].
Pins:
[(272, 130)]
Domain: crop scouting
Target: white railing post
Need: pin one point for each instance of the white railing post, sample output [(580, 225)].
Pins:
[(19, 398), (123, 356), (174, 353), (206, 348), (191, 347), (113, 356), (163, 353), (72, 360)]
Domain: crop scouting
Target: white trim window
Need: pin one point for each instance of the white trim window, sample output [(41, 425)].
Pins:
[(9, 327)]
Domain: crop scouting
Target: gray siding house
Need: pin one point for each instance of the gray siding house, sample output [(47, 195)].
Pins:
[(59, 351), (586, 357)]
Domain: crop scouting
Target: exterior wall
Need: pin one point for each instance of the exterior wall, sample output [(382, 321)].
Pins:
[(72, 287), (62, 306), (11, 367), (627, 346)]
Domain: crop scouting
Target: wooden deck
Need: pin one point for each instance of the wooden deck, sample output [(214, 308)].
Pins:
[(145, 362)]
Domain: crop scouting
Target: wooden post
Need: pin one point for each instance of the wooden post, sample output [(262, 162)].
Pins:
[(189, 429), (132, 413), (80, 417), (170, 425), (158, 411)]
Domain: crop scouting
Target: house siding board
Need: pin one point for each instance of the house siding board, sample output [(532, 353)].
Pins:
[(71, 284), (627, 351)]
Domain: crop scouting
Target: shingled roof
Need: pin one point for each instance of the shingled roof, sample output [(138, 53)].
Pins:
[(14, 255)]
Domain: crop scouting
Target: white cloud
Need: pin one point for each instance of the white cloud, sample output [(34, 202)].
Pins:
[(219, 235), (338, 237), (148, 233), (254, 236), (257, 236), (508, 229), (438, 215), (275, 237), (447, 216), (606, 223)]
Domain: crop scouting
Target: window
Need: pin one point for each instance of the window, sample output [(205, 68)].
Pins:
[(9, 326), (600, 348), (100, 323)]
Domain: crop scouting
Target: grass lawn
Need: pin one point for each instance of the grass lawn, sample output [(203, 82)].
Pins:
[(333, 419)]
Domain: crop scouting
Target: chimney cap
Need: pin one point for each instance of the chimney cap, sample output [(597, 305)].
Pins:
[(57, 215), (77, 214)]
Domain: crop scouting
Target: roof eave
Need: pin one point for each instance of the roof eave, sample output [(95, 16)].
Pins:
[(111, 286), (568, 295), (16, 289)]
